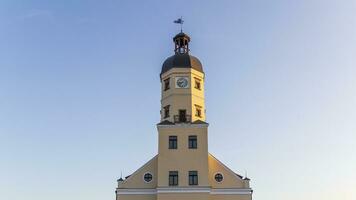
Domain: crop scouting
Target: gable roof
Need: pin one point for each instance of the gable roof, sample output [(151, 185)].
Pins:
[(228, 169), (127, 178)]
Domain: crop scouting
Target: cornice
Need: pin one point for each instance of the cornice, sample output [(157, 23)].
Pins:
[(160, 190), (182, 125)]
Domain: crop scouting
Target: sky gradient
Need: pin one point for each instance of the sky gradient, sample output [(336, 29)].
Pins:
[(80, 93)]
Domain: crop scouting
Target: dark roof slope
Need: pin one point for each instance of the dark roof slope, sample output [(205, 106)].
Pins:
[(181, 35), (182, 61), (239, 175), (199, 122), (165, 122)]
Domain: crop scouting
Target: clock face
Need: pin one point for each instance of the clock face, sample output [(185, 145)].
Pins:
[(182, 82)]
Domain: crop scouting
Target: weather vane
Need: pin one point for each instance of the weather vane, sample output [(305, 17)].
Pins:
[(179, 21)]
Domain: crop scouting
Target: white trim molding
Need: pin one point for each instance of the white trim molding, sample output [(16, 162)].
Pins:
[(183, 125), (135, 191), (231, 191), (237, 191), (184, 190), (189, 94)]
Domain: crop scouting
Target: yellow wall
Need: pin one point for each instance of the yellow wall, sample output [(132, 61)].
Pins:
[(197, 95), (230, 180), (230, 197), (186, 196), (183, 98), (182, 159), (136, 179), (137, 197)]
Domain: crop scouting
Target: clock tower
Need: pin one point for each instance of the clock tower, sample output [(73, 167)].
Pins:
[(183, 169), (182, 79), (182, 132)]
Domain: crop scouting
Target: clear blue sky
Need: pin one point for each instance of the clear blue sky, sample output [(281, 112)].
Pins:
[(80, 93)]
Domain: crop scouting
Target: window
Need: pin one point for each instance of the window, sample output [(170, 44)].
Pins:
[(193, 177), (198, 111), (192, 142), (166, 111), (172, 142), (218, 177), (197, 84), (182, 115), (173, 178), (166, 84), (147, 177)]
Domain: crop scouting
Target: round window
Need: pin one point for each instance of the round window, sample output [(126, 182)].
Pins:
[(219, 177), (147, 177)]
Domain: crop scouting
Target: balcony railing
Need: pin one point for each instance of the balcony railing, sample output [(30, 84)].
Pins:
[(182, 118)]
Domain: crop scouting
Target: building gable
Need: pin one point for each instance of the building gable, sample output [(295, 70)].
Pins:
[(230, 178), (136, 180)]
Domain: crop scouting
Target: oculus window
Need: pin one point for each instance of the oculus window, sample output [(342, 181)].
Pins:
[(147, 177), (219, 177)]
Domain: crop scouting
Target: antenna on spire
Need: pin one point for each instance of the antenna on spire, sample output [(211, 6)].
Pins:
[(245, 174), (180, 21), (121, 174)]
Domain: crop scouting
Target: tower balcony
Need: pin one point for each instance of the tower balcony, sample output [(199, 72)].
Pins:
[(182, 118)]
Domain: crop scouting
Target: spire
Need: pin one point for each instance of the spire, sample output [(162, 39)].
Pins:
[(246, 178), (120, 179), (180, 21), (181, 40)]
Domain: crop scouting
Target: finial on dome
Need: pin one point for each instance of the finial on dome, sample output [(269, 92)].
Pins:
[(180, 21), (181, 40)]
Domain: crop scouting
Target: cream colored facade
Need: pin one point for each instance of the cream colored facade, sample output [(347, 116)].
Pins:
[(183, 169), (183, 98)]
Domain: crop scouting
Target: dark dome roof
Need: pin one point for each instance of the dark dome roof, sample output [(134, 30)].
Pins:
[(182, 61), (181, 35)]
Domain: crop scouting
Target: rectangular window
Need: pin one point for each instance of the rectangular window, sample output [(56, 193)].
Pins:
[(182, 115), (166, 111), (173, 178), (166, 84), (193, 177), (172, 144), (197, 84), (198, 111), (192, 142)]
